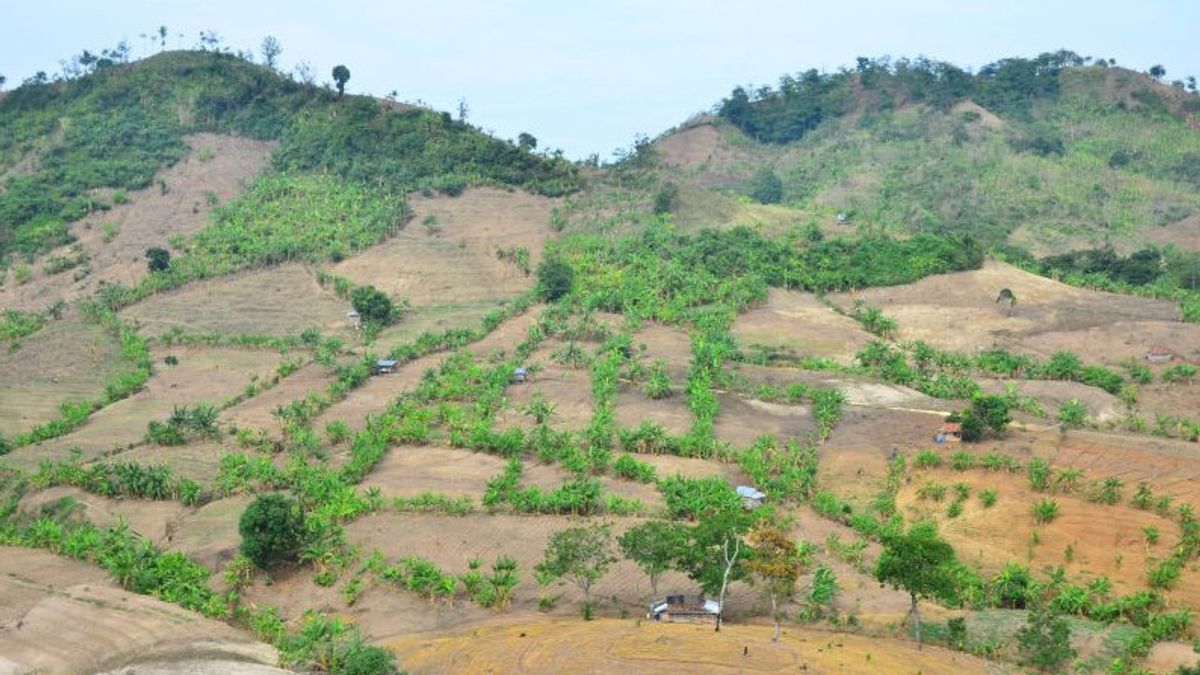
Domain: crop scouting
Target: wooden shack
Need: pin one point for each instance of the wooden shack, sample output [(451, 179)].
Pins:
[(950, 432)]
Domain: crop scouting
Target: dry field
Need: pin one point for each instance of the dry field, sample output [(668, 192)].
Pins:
[(1104, 540), (64, 616), (799, 322), (635, 646), (958, 312), (204, 374), (218, 165), (283, 300), (68, 361), (256, 412), (453, 259)]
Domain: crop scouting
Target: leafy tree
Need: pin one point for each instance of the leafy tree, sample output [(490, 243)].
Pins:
[(920, 563), (1045, 640), (341, 75), (271, 49), (527, 142), (776, 561), (272, 529), (714, 552), (158, 259), (555, 278), (581, 554), (373, 305), (654, 545), (766, 187), (994, 411), (1158, 72), (3, 79)]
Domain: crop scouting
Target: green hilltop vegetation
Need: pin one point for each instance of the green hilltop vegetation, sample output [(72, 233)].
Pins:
[(68, 146), (1056, 145)]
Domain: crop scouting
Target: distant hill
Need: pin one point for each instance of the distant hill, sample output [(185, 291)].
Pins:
[(1045, 152), (73, 146)]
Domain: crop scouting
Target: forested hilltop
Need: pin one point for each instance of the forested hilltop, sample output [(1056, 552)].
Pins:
[(73, 145), (1045, 151)]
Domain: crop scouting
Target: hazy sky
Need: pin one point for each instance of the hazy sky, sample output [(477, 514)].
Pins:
[(586, 76)]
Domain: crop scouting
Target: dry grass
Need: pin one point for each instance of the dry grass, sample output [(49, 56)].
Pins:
[(619, 647), (274, 301), (801, 323), (149, 219), (68, 361), (203, 375)]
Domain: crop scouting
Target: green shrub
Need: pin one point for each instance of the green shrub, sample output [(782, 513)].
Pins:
[(272, 530), (1073, 413), (1045, 510)]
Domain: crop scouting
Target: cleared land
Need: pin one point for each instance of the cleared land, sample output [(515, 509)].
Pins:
[(68, 361), (612, 646), (116, 240), (63, 616)]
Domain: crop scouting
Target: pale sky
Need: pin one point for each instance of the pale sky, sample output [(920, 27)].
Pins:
[(587, 76)]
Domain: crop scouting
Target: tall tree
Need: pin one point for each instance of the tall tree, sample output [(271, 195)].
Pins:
[(341, 75), (713, 553), (581, 554), (775, 561), (920, 563), (654, 545), (271, 49)]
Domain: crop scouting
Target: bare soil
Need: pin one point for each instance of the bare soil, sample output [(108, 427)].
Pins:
[(150, 218), (799, 322), (453, 258), (62, 616), (68, 361), (616, 646), (959, 312), (283, 300)]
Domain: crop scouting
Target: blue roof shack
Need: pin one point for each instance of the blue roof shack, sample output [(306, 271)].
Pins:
[(752, 498), (520, 374), (385, 366)]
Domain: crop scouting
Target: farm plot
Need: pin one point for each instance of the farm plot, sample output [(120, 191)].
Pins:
[(799, 323), (68, 361), (959, 312), (448, 251), (203, 375), (283, 300), (618, 647), (63, 616)]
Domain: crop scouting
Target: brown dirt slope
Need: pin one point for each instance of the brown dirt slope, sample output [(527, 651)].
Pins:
[(619, 647), (217, 164), (64, 619), (447, 252), (68, 361)]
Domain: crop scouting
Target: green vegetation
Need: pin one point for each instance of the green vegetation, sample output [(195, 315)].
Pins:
[(920, 563), (581, 554), (272, 529), (118, 124), (1065, 145)]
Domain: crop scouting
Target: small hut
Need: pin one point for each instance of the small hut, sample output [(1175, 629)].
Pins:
[(843, 218), (520, 375), (686, 608), (1159, 354), (752, 498), (951, 432), (353, 320), (385, 366)]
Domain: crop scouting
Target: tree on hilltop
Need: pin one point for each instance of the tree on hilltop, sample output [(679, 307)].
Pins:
[(341, 75)]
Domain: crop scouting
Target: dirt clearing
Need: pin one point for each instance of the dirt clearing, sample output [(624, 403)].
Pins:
[(620, 647), (799, 322)]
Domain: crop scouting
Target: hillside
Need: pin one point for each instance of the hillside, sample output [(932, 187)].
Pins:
[(1042, 153), (969, 403)]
